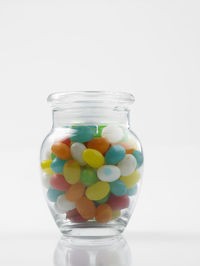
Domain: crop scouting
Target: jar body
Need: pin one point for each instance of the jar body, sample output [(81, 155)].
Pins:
[(91, 174)]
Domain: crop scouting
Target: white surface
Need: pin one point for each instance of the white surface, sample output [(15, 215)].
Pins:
[(150, 47), (143, 249)]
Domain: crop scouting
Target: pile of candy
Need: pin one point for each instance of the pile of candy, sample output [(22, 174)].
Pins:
[(92, 173)]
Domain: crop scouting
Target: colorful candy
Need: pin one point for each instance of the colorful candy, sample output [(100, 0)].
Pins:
[(72, 172), (86, 208), (108, 173), (53, 194), (61, 150), (127, 165), (99, 144), (98, 191), (75, 192), (139, 158), (88, 177), (57, 165), (118, 203), (93, 158), (91, 173), (113, 133), (118, 188), (77, 150), (103, 213), (62, 205), (115, 154), (131, 180), (58, 182), (82, 134)]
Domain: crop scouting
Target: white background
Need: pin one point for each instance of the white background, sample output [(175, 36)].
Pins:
[(147, 47)]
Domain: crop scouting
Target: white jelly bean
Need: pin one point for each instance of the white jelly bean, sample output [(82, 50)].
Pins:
[(128, 165), (77, 150), (108, 173), (46, 180), (113, 133), (62, 205)]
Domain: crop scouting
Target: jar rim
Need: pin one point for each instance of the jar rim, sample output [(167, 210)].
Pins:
[(59, 100)]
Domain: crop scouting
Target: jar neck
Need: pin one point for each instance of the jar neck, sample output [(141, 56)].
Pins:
[(90, 116)]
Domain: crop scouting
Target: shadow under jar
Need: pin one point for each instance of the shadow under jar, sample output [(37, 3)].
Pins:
[(91, 163)]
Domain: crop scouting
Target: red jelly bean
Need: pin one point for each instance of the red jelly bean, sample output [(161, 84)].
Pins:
[(66, 141), (74, 216), (59, 183), (118, 203)]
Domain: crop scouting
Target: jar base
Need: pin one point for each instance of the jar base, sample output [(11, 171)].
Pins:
[(91, 231)]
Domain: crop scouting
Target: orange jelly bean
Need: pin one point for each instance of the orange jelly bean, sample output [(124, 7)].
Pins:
[(129, 147), (75, 192), (103, 213), (86, 208), (61, 150), (99, 144)]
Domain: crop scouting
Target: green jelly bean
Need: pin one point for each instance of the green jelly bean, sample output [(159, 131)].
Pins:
[(88, 177), (104, 200), (53, 156)]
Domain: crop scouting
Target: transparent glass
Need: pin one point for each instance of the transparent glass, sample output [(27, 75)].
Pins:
[(91, 163)]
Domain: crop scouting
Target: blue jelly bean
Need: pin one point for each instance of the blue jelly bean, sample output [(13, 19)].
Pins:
[(118, 188), (139, 158), (57, 165), (132, 191), (115, 154), (82, 133), (53, 194)]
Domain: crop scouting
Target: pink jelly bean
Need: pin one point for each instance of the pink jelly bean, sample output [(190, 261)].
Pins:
[(118, 203), (58, 182)]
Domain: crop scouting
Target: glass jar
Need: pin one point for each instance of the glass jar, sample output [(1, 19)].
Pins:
[(91, 163)]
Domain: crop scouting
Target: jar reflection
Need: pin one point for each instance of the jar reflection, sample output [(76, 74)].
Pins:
[(87, 252)]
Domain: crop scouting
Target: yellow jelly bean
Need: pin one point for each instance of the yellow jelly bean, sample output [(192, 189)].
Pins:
[(93, 158), (131, 180), (98, 191), (115, 214), (46, 167), (72, 172)]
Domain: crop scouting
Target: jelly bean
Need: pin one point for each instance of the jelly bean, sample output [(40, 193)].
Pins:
[(53, 194), (104, 200), (46, 167), (77, 150), (115, 214), (74, 216), (112, 133), (118, 203), (139, 158), (66, 141), (82, 134), (108, 173), (99, 144), (72, 172), (103, 213), (98, 191), (131, 180), (46, 180), (53, 156), (128, 165), (132, 191), (99, 131), (115, 154), (75, 192), (61, 150), (58, 182), (57, 165), (88, 177), (86, 208), (93, 158), (62, 205), (129, 147), (118, 188)]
